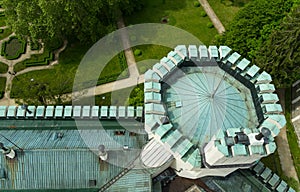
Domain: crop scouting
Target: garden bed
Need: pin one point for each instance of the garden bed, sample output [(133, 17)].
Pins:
[(2, 86), (13, 48), (3, 67)]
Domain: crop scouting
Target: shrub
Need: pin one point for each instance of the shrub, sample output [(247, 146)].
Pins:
[(35, 45), (210, 25), (1, 30), (137, 52), (196, 4), (203, 14)]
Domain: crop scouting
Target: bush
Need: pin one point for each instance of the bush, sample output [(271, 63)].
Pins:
[(203, 14), (137, 52), (35, 45), (196, 4), (210, 25), (1, 30)]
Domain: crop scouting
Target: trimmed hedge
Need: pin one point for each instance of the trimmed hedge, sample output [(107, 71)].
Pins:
[(18, 53), (35, 46), (2, 86)]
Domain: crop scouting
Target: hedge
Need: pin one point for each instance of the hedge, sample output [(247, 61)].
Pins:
[(19, 52)]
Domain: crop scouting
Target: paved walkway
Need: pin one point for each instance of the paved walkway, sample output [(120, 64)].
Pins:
[(283, 148), (213, 17), (6, 100), (133, 79)]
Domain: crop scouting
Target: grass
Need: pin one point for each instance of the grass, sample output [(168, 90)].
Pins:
[(69, 60), (273, 162), (2, 86), (291, 135), (6, 33), (149, 52), (35, 60), (3, 67), (2, 19), (224, 11), (117, 98), (180, 13)]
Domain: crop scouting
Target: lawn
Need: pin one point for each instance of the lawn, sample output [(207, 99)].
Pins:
[(6, 32), (180, 13), (2, 86), (291, 135), (66, 70), (3, 67), (2, 19), (224, 11), (35, 60), (149, 52), (117, 98)]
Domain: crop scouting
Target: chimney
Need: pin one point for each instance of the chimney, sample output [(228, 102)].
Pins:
[(102, 153), (7, 152)]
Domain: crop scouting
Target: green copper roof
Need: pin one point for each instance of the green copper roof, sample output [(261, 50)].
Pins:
[(213, 52), (274, 180), (163, 129), (193, 51), (233, 58), (151, 75), (152, 96), (239, 149), (112, 111), (161, 69), (182, 49), (224, 51), (166, 61), (266, 173), (264, 76), (252, 70), (257, 149), (182, 147), (49, 162), (175, 56), (149, 86), (59, 111), (243, 64)]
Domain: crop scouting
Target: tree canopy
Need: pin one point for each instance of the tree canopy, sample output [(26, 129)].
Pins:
[(280, 56), (137, 96), (253, 24), (84, 20)]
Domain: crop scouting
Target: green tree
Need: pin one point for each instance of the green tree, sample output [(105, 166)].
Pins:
[(137, 96), (280, 56), (253, 24), (85, 20)]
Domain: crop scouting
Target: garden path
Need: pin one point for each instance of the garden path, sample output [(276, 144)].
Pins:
[(133, 79), (212, 15)]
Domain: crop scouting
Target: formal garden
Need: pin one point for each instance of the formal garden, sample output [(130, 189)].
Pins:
[(13, 48)]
